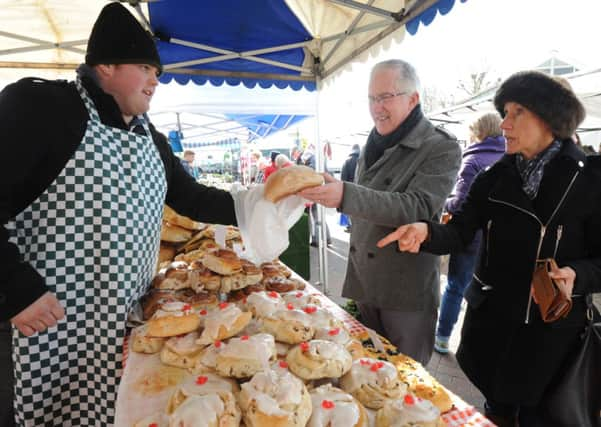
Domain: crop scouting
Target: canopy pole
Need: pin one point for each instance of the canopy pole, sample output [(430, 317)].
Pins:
[(321, 219)]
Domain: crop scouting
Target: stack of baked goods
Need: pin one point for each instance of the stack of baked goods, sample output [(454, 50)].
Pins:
[(176, 230), (253, 347)]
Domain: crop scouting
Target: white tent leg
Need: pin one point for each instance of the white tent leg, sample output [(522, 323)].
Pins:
[(321, 223)]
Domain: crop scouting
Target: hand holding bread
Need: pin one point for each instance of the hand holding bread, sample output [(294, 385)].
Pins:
[(290, 180)]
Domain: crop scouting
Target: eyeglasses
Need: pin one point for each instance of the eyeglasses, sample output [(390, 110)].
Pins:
[(384, 98)]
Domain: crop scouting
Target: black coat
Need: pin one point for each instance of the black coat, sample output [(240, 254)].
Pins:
[(42, 124), (349, 167), (511, 359)]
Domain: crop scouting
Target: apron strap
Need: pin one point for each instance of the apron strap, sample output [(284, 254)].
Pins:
[(94, 116)]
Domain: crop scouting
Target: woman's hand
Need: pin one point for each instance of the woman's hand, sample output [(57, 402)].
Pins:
[(564, 277), (410, 237)]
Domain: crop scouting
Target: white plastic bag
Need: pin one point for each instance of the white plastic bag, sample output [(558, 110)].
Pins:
[(264, 225)]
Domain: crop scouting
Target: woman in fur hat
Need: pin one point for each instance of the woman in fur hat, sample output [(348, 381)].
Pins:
[(542, 199)]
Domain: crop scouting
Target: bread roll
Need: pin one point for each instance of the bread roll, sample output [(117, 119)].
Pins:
[(143, 343), (166, 253), (373, 382), (222, 261), (287, 181), (173, 218), (174, 234), (173, 318), (175, 276)]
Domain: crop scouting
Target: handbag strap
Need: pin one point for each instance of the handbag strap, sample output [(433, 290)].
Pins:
[(589, 308)]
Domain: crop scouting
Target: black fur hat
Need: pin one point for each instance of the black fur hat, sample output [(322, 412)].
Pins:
[(118, 38), (553, 101)]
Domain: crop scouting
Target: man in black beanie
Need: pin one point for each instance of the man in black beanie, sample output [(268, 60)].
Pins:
[(85, 176)]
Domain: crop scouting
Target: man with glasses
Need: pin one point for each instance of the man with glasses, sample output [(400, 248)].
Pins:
[(406, 172)]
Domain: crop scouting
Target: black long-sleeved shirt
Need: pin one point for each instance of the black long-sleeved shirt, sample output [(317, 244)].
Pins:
[(42, 124)]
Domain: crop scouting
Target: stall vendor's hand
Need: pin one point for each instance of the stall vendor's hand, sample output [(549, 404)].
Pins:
[(40, 315), (409, 237), (328, 195)]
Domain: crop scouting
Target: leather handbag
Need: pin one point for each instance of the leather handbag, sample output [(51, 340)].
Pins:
[(552, 297), (575, 400)]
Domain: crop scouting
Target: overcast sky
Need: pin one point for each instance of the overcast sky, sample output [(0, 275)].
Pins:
[(505, 35)]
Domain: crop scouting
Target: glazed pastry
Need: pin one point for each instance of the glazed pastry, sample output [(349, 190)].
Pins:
[(211, 410), (201, 385), (407, 412), (181, 351), (319, 359), (264, 304), (224, 322), (158, 419), (333, 407), (300, 299), (373, 382), (275, 398), (245, 356), (339, 335), (289, 326), (322, 317)]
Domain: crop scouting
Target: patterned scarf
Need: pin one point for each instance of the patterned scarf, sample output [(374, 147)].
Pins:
[(531, 170)]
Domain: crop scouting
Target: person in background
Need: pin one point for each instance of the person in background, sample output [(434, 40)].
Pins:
[(296, 155), (255, 165), (405, 173), (81, 221), (188, 163), (542, 199), (488, 145), (271, 168), (348, 172), (282, 161)]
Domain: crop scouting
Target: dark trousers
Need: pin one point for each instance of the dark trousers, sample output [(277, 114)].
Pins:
[(412, 332), (510, 415), (7, 418)]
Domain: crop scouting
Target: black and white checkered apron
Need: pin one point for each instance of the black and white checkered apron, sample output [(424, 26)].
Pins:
[(94, 236)]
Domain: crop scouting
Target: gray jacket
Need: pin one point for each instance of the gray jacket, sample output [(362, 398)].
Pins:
[(410, 182)]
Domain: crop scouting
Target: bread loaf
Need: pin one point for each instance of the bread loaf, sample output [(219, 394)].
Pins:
[(287, 181)]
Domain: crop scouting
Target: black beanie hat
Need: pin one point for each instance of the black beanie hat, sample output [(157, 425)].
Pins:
[(118, 38), (555, 103)]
